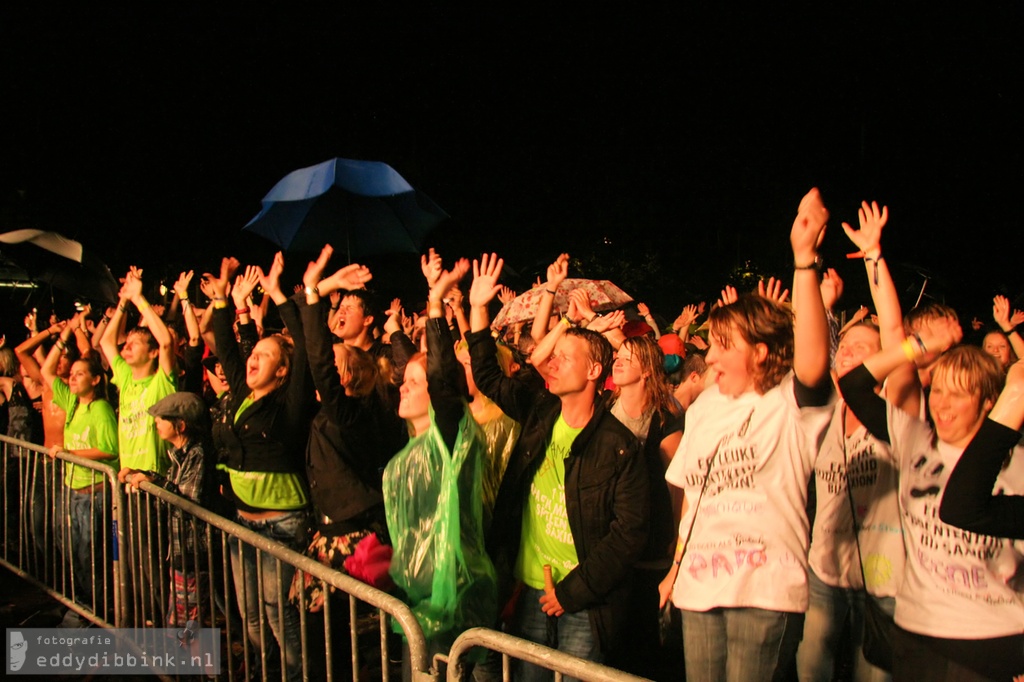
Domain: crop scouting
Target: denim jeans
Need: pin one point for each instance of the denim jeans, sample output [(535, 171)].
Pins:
[(570, 632), (732, 644), (830, 607), (271, 595), (89, 557)]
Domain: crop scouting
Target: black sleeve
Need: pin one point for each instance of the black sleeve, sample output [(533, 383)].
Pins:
[(858, 390), (446, 380), (812, 396), (248, 337), (968, 502), (402, 348), (227, 349), (299, 392), (320, 355), (515, 398)]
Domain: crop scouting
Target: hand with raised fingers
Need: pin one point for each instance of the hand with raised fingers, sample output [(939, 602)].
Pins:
[(448, 279), (30, 321), (486, 272), (1016, 318), (686, 318), (1001, 312), (557, 272), (939, 335), (773, 290), (582, 300), (271, 279), (181, 284), (245, 283), (506, 295), (808, 229), (455, 296), (699, 342), (976, 324), (831, 288), (393, 323), (729, 296), (868, 239), (132, 284), (643, 310), (613, 320), (348, 278), (431, 266), (315, 268)]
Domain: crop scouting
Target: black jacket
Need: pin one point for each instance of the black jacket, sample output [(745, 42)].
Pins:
[(606, 495), (271, 435), (351, 440)]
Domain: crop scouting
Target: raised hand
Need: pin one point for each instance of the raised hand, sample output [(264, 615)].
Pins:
[(831, 288), (558, 271), (448, 279), (582, 301), (271, 280), (773, 290), (132, 283), (613, 320), (431, 266), (506, 295), (861, 313), (485, 279), (349, 278), (643, 310), (181, 285), (869, 237), (315, 269), (1001, 312), (976, 324), (244, 285), (808, 228), (30, 321), (686, 318), (729, 296), (939, 335), (1016, 318), (455, 296)]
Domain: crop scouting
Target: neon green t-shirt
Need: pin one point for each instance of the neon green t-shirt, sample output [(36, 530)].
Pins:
[(139, 445), (86, 427), (546, 537)]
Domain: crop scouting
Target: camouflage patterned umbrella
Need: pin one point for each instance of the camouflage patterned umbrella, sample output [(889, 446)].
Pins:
[(603, 296)]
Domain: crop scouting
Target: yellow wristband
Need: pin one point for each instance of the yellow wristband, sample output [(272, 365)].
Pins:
[(143, 306), (220, 305), (908, 350)]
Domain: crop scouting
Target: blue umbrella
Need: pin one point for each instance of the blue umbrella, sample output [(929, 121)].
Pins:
[(363, 207)]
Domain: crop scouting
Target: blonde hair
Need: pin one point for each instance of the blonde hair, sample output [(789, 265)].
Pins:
[(971, 369)]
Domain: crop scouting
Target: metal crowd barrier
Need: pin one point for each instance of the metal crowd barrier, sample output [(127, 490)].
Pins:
[(37, 543), (163, 560), (216, 602), (513, 647)]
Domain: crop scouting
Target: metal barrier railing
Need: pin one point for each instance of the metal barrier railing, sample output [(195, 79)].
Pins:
[(214, 577), (68, 543), (545, 657)]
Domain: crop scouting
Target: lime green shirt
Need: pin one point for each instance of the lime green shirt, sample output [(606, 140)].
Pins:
[(139, 445), (546, 537), (93, 425)]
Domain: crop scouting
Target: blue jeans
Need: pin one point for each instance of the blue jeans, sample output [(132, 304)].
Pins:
[(570, 633), (266, 596), (830, 607), (732, 644), (89, 556)]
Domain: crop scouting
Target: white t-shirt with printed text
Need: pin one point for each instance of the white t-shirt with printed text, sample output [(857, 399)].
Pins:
[(749, 541)]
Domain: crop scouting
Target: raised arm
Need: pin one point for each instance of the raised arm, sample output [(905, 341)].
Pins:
[(445, 378), (25, 352), (156, 326), (1008, 323), (810, 328), (108, 342), (557, 272), (191, 323), (48, 371), (485, 287)]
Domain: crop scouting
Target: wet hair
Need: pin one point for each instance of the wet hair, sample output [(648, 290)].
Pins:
[(95, 368), (758, 320), (147, 336), (651, 359), (366, 301), (8, 363), (925, 312), (365, 374), (598, 350), (971, 369)]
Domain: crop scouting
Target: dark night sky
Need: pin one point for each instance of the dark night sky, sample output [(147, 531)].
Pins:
[(672, 144)]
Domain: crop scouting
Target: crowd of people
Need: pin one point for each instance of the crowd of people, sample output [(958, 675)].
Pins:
[(802, 492)]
